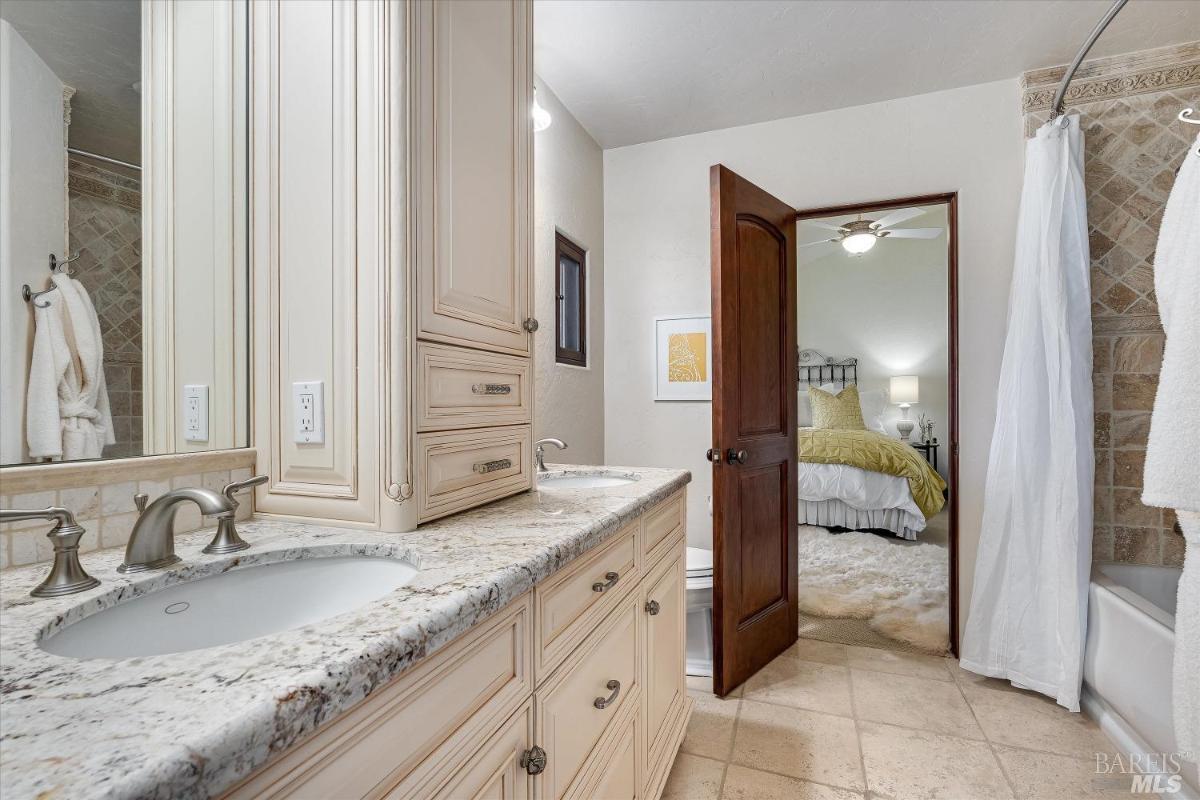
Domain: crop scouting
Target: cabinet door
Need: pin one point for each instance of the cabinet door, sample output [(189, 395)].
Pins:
[(495, 772), (665, 611), (471, 171)]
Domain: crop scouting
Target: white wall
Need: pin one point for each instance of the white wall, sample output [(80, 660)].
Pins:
[(656, 222), (33, 212), (887, 308), (568, 197)]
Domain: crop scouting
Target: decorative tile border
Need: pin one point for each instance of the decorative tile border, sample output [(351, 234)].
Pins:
[(1126, 75)]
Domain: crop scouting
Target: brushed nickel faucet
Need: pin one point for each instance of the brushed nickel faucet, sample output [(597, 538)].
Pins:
[(227, 539), (67, 575), (152, 542), (539, 453)]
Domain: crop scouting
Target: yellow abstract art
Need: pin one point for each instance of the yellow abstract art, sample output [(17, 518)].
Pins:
[(687, 355)]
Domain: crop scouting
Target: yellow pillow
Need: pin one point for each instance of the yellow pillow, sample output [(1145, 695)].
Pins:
[(840, 411)]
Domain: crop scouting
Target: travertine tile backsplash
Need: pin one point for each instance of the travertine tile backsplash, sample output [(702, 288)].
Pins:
[(1132, 146), (106, 511)]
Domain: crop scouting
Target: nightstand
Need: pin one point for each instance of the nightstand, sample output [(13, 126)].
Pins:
[(929, 449)]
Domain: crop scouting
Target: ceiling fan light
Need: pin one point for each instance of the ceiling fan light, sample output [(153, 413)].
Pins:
[(858, 243)]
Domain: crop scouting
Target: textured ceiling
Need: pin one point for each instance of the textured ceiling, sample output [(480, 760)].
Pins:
[(637, 70), (93, 46)]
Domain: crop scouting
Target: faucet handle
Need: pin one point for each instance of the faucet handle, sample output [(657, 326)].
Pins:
[(237, 486), (139, 501)]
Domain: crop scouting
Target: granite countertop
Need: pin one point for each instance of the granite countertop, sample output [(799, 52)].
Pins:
[(192, 724)]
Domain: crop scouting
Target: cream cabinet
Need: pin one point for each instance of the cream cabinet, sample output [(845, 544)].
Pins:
[(390, 183), (600, 714)]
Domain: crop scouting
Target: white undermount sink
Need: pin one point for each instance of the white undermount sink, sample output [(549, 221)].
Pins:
[(598, 481), (232, 607)]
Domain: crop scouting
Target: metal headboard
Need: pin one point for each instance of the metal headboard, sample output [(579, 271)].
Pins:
[(815, 368)]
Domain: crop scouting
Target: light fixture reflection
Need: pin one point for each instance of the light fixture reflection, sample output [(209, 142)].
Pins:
[(858, 243), (541, 117)]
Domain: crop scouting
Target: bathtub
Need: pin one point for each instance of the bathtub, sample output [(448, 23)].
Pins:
[(1127, 663)]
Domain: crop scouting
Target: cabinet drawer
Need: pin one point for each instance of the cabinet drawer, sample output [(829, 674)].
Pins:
[(470, 389), (569, 723), (425, 723), (465, 469), (615, 775), (569, 605), (663, 523)]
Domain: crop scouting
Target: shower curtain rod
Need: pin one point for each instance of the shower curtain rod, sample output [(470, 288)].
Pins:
[(85, 153), (1056, 109)]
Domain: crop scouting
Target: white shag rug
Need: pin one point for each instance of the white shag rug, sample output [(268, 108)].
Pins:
[(901, 590)]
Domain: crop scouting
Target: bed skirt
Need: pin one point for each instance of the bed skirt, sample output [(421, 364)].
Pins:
[(836, 514)]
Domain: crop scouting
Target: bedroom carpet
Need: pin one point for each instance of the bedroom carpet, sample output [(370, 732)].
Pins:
[(899, 592)]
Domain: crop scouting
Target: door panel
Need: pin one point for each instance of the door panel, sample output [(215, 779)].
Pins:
[(755, 615)]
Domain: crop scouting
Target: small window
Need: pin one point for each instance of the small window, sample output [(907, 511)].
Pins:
[(570, 314)]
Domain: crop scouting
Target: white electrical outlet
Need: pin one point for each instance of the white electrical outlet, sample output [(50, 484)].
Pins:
[(308, 412), (195, 412)]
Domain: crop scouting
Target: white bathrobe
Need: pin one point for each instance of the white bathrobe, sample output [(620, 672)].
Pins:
[(67, 414), (1172, 472)]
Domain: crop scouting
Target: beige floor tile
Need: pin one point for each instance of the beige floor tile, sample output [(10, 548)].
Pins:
[(903, 763), (742, 783), (799, 743), (710, 730), (930, 705), (698, 683), (694, 778), (818, 651), (899, 663), (802, 684), (1046, 776), (1029, 720)]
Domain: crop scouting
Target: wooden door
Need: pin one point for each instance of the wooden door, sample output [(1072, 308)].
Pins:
[(755, 616), (472, 172)]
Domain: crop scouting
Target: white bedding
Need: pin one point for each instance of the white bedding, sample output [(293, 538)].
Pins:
[(849, 497)]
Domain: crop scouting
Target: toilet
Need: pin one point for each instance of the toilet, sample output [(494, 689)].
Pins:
[(699, 612)]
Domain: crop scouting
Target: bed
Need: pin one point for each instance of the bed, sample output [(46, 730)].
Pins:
[(860, 479)]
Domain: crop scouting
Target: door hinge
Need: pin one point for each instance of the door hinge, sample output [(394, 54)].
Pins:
[(534, 760)]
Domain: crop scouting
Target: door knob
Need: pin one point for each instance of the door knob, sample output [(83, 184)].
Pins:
[(713, 455), (736, 456)]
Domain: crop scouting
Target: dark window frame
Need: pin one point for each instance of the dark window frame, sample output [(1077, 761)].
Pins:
[(565, 247)]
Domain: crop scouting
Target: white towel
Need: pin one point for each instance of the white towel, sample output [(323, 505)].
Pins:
[(1172, 471), (67, 413)]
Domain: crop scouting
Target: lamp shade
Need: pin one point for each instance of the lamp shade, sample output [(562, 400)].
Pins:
[(903, 389)]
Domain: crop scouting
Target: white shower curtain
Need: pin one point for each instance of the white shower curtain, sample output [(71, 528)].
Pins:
[(1028, 613)]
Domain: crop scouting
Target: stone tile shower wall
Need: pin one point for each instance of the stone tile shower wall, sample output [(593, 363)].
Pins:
[(104, 225), (1132, 146)]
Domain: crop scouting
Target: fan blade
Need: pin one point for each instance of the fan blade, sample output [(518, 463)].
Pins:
[(824, 225), (823, 241), (914, 233), (898, 216)]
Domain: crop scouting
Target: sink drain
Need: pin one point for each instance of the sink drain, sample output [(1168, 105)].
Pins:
[(177, 608)]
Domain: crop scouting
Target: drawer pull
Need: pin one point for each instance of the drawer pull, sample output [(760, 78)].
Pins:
[(652, 608), (610, 580), (604, 702), (534, 760), (484, 467), (491, 388)]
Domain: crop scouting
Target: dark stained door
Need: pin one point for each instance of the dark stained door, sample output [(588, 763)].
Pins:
[(755, 615)]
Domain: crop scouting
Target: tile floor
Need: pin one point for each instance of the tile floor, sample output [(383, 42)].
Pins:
[(829, 721)]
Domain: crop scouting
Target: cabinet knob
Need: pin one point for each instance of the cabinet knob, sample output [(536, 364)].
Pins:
[(533, 760), (530, 325), (652, 608)]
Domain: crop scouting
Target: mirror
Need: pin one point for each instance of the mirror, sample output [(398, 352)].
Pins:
[(123, 266), (877, 529)]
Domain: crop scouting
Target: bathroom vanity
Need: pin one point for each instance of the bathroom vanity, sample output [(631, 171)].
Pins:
[(536, 650)]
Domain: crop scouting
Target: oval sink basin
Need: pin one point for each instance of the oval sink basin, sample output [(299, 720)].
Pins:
[(583, 481), (231, 607)]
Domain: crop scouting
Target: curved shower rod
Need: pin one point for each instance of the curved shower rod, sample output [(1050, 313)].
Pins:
[(1060, 97)]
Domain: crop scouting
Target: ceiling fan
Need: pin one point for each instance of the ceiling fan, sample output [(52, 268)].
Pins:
[(860, 235)]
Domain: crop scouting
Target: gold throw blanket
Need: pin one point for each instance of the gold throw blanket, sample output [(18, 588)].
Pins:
[(878, 453)]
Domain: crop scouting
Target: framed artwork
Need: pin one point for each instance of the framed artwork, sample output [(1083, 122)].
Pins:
[(683, 358)]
